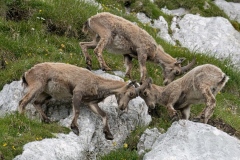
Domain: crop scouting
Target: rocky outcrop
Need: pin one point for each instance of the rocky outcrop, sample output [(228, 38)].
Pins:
[(212, 35), (186, 140), (230, 8), (91, 140)]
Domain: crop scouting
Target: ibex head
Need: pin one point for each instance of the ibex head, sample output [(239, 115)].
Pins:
[(171, 71)]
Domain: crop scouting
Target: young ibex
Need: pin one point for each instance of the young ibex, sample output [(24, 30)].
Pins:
[(121, 36), (200, 85), (64, 81)]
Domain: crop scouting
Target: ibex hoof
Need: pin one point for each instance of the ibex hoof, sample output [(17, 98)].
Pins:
[(109, 136), (89, 67), (75, 130), (46, 120), (174, 118), (106, 69), (196, 119)]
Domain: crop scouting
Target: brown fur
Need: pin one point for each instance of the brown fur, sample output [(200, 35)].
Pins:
[(69, 82), (200, 85), (121, 36)]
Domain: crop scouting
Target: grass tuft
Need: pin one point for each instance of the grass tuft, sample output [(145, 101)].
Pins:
[(17, 130)]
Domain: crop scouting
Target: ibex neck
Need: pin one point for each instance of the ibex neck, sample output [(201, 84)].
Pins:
[(163, 58), (109, 86), (159, 92)]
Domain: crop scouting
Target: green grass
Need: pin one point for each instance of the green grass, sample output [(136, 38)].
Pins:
[(121, 154), (51, 31), (17, 130)]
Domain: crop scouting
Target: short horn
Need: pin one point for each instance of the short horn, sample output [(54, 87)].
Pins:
[(145, 84), (189, 66)]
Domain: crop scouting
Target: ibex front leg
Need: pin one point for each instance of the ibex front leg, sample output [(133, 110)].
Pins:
[(95, 108), (77, 97)]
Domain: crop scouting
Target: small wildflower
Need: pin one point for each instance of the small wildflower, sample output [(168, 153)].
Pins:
[(19, 134), (219, 92), (33, 29), (4, 144), (62, 45), (114, 143), (6, 62), (125, 145), (60, 50), (13, 148), (40, 11)]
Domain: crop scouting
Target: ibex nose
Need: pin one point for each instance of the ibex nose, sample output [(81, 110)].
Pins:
[(121, 107)]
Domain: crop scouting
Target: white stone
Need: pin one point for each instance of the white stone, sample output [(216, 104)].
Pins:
[(214, 35), (147, 139), (143, 18), (160, 24), (230, 8), (175, 12), (186, 140), (10, 95)]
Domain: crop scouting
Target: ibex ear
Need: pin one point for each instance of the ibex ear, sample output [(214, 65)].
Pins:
[(180, 60)]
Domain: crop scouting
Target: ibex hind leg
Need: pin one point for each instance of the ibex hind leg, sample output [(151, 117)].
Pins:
[(32, 93), (128, 65), (85, 46), (105, 36), (210, 101)]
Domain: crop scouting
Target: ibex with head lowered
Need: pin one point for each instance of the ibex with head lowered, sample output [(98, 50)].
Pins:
[(64, 81), (200, 85), (119, 35)]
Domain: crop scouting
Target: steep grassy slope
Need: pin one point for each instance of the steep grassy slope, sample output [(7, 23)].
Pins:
[(39, 31)]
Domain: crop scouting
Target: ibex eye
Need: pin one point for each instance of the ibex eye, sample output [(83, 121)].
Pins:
[(145, 93), (177, 72), (131, 94)]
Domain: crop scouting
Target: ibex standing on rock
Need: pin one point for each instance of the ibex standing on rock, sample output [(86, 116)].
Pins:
[(200, 85), (64, 81), (121, 36)]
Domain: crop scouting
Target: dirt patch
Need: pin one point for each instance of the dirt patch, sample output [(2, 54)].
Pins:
[(221, 125), (61, 28), (1, 156), (15, 13)]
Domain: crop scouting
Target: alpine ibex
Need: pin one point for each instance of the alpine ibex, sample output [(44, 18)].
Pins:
[(64, 81), (200, 85), (121, 36)]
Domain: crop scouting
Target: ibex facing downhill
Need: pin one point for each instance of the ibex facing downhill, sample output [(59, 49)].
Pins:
[(121, 36), (64, 81), (200, 85)]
